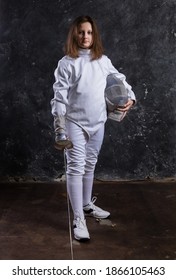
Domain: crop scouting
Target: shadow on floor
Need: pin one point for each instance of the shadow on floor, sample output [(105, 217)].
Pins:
[(34, 222)]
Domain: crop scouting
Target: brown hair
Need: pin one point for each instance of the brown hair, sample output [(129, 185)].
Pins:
[(71, 46)]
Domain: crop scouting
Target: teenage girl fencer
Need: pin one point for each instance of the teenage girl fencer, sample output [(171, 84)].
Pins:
[(80, 112)]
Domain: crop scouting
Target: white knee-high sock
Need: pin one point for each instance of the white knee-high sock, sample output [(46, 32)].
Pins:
[(87, 188), (75, 192)]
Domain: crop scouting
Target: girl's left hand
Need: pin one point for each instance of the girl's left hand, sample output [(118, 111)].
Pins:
[(126, 107)]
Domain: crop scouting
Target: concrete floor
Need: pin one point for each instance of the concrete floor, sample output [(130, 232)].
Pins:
[(34, 222)]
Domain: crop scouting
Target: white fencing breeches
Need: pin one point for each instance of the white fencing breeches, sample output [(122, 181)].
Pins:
[(81, 162)]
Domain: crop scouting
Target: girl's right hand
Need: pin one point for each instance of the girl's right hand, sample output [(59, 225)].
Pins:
[(62, 142)]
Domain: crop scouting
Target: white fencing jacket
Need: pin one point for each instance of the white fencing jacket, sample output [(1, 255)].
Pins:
[(79, 91)]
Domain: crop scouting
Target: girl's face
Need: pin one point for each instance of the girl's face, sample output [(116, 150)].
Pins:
[(85, 37)]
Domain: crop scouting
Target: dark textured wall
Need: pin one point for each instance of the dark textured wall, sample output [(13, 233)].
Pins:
[(139, 37)]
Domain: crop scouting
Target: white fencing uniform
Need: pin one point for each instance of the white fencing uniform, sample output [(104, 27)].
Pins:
[(79, 90), (79, 100)]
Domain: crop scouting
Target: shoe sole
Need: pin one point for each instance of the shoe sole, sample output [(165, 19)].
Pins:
[(82, 239), (96, 217)]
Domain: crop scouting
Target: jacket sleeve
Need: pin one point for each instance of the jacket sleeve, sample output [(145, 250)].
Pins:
[(60, 100), (122, 77)]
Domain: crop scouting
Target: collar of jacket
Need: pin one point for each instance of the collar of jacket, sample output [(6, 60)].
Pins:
[(84, 52)]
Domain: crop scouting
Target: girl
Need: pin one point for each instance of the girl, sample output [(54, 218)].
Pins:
[(79, 111)]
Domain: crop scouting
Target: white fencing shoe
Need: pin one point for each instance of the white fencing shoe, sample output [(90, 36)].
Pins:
[(94, 211), (80, 229)]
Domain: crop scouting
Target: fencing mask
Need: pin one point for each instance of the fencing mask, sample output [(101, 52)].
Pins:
[(116, 96)]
